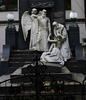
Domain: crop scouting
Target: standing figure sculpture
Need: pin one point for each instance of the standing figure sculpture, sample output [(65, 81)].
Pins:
[(30, 23), (44, 31), (59, 50), (34, 30)]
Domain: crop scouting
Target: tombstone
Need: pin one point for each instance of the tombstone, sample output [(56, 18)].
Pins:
[(55, 9)]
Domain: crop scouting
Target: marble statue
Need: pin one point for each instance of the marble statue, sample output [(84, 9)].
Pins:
[(34, 30), (44, 30), (30, 22), (59, 50), (39, 25)]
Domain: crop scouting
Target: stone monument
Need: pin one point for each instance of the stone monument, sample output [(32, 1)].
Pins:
[(55, 11), (59, 51)]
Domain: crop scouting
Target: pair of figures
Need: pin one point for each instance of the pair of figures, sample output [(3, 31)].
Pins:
[(39, 25), (59, 51)]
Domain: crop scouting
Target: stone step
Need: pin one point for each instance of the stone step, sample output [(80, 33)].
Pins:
[(21, 55), (77, 66), (11, 69), (48, 68), (24, 55), (30, 94), (9, 90), (15, 65), (22, 59), (20, 51), (73, 67), (20, 63), (20, 79), (25, 52), (44, 76)]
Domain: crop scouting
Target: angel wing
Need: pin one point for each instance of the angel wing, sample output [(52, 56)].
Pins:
[(26, 24)]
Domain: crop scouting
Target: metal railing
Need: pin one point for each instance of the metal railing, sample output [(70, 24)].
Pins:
[(43, 90)]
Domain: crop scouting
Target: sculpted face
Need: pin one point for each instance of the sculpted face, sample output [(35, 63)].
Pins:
[(34, 11), (55, 25), (44, 12)]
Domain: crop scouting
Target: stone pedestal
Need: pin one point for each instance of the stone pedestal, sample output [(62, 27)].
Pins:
[(74, 38), (10, 37)]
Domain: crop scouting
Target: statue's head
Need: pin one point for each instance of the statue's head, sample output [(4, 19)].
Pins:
[(34, 11), (55, 27), (40, 13), (54, 23), (44, 12)]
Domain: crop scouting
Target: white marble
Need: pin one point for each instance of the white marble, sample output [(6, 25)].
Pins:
[(59, 50)]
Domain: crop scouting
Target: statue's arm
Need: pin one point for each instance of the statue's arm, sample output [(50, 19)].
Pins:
[(51, 47), (64, 33), (53, 41), (50, 40)]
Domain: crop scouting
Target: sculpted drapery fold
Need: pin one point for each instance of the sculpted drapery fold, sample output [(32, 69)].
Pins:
[(34, 31), (44, 31)]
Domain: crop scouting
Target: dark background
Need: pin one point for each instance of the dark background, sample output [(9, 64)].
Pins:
[(55, 8)]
